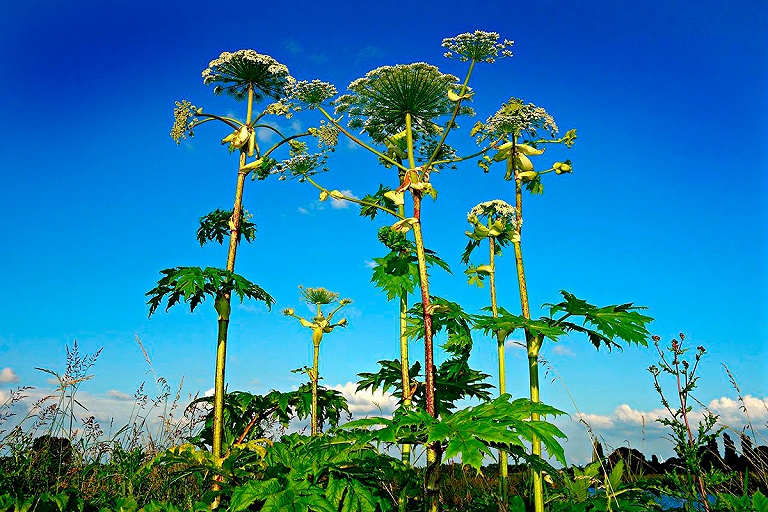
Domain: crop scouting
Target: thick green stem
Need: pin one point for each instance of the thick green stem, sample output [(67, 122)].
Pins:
[(431, 476), (533, 344), (315, 377), (223, 308), (503, 456), (218, 399)]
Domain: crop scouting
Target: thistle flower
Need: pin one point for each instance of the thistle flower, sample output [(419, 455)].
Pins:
[(184, 120), (233, 73), (311, 93), (380, 101), (478, 46)]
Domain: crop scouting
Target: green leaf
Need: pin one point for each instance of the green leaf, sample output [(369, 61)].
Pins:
[(760, 502), (193, 284), (368, 208), (215, 226), (603, 325)]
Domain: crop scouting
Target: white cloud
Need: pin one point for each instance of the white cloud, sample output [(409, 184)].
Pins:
[(732, 413), (7, 375), (560, 349), (367, 402), (119, 395), (339, 204), (370, 264), (302, 210)]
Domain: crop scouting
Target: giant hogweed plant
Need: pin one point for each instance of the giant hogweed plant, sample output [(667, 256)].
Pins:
[(409, 110), (495, 221), (521, 131), (320, 325), (247, 77)]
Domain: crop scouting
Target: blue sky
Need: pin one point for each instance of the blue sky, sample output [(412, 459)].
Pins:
[(665, 207)]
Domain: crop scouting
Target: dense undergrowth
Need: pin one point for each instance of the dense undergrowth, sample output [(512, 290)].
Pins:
[(52, 459)]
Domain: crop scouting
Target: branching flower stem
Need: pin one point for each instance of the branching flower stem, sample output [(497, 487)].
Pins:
[(355, 200), (359, 142), (503, 456), (533, 342), (223, 301), (456, 108)]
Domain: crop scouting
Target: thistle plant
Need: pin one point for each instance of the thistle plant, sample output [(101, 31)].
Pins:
[(249, 77), (689, 447), (495, 221), (320, 326)]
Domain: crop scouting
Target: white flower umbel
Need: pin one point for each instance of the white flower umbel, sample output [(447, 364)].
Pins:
[(233, 72), (478, 46), (516, 117), (494, 210)]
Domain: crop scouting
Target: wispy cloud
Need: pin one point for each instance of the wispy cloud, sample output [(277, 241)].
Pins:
[(339, 204), (561, 349), (370, 264), (369, 53), (7, 375), (119, 395), (293, 46)]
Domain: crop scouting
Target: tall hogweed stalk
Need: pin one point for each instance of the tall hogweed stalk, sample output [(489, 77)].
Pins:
[(520, 131), (410, 109), (495, 221), (320, 325), (249, 77)]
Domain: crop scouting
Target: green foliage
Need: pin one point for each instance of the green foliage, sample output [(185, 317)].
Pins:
[(192, 284), (610, 322), (371, 203), (454, 381), (322, 473), (602, 325), (471, 432), (397, 273), (250, 417), (756, 503), (507, 323), (217, 225), (591, 490), (447, 316)]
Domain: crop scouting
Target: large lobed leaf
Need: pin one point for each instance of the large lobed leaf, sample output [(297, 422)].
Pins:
[(193, 284), (603, 325)]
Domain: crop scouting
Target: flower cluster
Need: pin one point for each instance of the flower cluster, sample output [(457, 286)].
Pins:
[(496, 209), (478, 46), (279, 109), (382, 99), (184, 120), (318, 296), (302, 165), (311, 93), (327, 135), (516, 118), (233, 73)]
